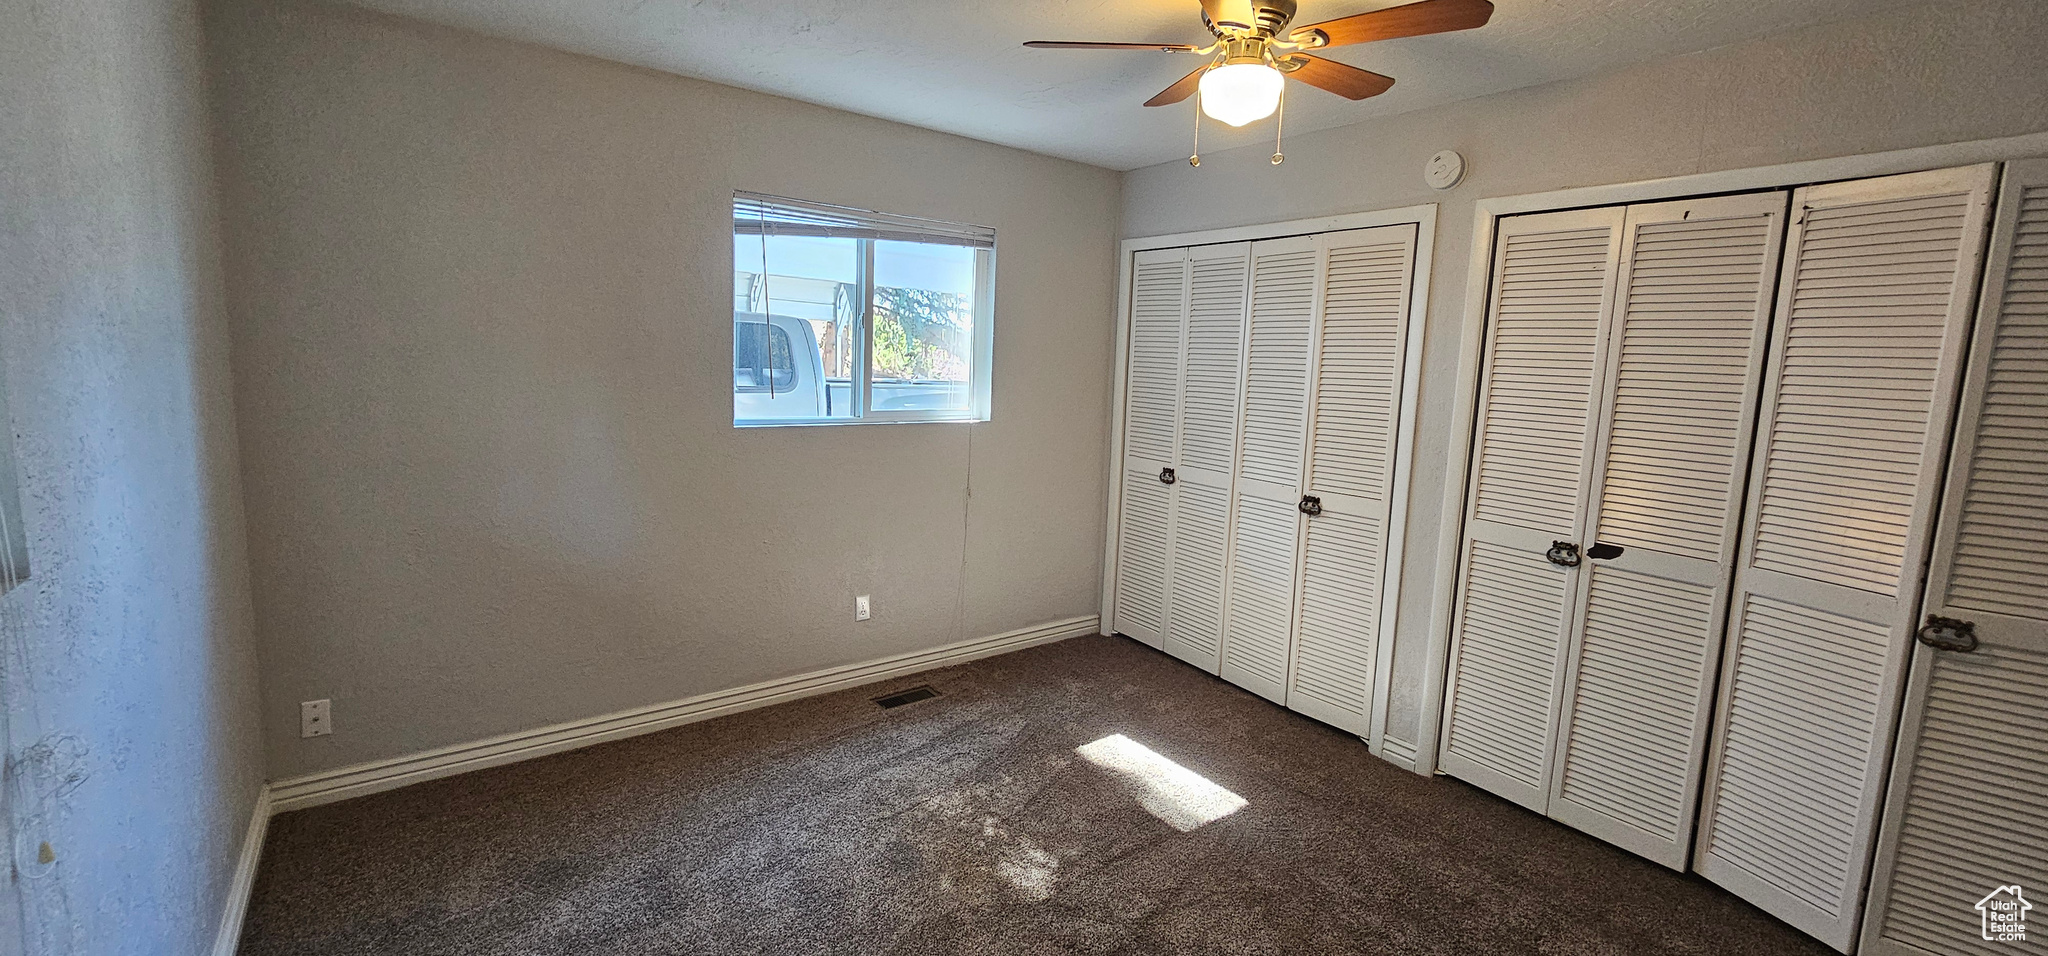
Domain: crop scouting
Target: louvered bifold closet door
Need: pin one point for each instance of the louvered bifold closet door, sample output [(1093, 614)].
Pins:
[(1355, 394), (1967, 810), (1260, 618), (1685, 360), (1211, 360), (1551, 298), (1152, 388), (1866, 357)]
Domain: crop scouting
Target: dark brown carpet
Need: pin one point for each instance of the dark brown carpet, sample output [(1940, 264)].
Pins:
[(970, 824)]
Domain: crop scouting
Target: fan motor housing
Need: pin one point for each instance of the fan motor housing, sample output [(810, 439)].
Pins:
[(1272, 16)]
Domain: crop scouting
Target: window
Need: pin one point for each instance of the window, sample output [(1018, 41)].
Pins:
[(844, 315)]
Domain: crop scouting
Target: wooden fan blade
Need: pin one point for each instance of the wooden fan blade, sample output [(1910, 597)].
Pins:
[(1180, 90), (1410, 20), (1230, 13), (1088, 45), (1347, 81)]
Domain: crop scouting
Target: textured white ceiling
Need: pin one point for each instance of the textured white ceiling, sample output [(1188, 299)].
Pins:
[(956, 65)]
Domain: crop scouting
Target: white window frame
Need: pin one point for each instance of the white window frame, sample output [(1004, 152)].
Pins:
[(982, 359)]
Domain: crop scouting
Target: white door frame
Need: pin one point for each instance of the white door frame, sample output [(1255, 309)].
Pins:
[(1486, 216), (1424, 219)]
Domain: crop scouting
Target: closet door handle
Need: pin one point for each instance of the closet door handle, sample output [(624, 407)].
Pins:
[(1601, 552), (1166, 476), (1564, 554), (1311, 505), (1948, 634)]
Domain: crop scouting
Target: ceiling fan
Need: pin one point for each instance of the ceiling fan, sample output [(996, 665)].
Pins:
[(1255, 50)]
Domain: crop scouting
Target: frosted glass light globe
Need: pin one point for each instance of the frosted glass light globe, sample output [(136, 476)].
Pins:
[(1239, 93)]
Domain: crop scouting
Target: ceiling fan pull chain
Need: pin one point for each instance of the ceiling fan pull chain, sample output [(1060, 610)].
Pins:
[(767, 307), (1195, 159), (1280, 124)]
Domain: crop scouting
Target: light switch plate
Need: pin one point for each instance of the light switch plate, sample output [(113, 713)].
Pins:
[(861, 611)]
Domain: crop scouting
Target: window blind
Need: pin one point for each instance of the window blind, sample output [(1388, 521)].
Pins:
[(754, 214)]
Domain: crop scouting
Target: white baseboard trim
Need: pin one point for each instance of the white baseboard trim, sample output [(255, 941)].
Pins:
[(229, 936), (378, 775)]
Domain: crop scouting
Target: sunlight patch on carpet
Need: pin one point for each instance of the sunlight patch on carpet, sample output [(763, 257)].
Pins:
[(1029, 870), (1167, 790)]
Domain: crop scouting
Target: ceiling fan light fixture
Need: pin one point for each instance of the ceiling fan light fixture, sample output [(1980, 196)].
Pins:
[(1240, 92)]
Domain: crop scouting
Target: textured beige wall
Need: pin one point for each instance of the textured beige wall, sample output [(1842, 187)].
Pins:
[(481, 299), (127, 660), (1944, 72)]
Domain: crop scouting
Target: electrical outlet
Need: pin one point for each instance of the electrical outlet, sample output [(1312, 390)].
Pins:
[(861, 611), (315, 718)]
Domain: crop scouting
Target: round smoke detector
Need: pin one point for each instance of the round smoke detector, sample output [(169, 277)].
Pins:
[(1445, 169)]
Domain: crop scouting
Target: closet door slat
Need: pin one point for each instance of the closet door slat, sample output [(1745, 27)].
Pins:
[(1258, 631), (1144, 547), (1360, 339), (1866, 356), (1276, 369), (1967, 811), (1159, 298), (1211, 362), (1551, 299), (1201, 523), (1685, 368), (1159, 302)]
